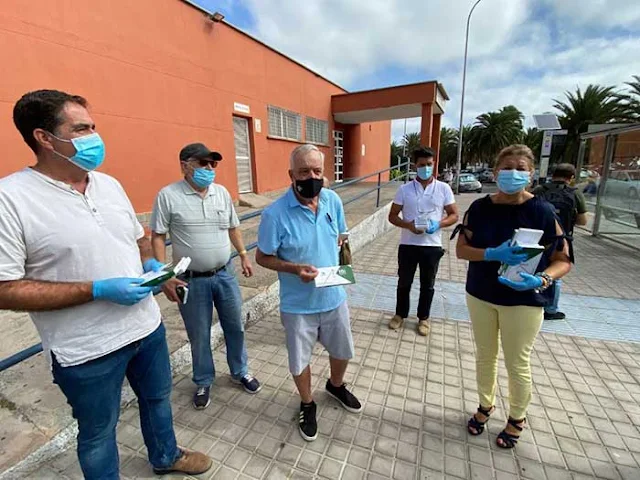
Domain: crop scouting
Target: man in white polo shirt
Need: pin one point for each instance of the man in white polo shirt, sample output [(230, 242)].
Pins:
[(199, 217), (71, 254), (423, 203)]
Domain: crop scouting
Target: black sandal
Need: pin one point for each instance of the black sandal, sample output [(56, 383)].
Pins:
[(508, 439), (476, 424)]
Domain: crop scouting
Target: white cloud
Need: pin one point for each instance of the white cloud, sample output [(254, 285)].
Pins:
[(521, 52), (598, 61), (598, 13), (344, 39)]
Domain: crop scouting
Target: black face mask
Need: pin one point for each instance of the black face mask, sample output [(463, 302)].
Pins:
[(308, 188)]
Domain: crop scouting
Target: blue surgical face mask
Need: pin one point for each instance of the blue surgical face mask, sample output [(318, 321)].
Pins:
[(90, 151), (203, 177), (512, 181), (424, 173)]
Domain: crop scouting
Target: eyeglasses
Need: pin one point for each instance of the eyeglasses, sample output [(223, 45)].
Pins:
[(203, 162)]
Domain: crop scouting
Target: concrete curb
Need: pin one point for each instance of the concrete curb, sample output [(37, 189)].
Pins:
[(252, 311)]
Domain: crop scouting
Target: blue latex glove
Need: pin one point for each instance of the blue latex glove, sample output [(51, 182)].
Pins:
[(433, 226), (123, 291), (529, 282), (152, 265), (505, 253)]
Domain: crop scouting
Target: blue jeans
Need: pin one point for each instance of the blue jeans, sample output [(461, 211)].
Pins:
[(223, 292), (93, 390), (553, 308)]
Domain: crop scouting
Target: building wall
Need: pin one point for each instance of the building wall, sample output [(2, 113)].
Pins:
[(375, 137), (158, 75)]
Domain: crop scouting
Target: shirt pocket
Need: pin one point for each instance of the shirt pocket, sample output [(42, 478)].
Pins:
[(332, 224), (220, 219)]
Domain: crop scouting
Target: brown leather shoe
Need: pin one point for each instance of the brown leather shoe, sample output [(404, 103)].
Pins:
[(423, 327), (191, 463), (396, 322)]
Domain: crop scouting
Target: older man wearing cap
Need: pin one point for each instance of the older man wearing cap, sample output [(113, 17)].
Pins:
[(200, 218)]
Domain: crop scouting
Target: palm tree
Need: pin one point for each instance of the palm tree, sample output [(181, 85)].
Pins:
[(448, 147), (634, 97), (532, 138), (396, 151), (493, 131), (467, 146), (411, 142), (596, 105)]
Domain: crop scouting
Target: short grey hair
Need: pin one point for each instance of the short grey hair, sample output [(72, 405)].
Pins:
[(301, 151)]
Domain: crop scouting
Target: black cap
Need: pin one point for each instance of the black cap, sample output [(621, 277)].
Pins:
[(198, 150)]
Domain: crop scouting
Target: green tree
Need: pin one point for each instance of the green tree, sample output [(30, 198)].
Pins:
[(396, 151), (411, 142), (532, 138), (492, 131), (595, 105), (448, 147), (634, 98)]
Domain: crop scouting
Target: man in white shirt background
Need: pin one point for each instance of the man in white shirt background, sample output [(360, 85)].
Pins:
[(427, 205), (71, 254)]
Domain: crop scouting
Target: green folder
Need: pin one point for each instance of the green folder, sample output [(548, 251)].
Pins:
[(333, 276)]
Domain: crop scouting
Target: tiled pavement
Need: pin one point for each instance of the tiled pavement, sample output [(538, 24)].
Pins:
[(603, 268), (584, 421), (599, 318)]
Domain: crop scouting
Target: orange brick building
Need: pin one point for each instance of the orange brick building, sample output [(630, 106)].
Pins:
[(162, 73)]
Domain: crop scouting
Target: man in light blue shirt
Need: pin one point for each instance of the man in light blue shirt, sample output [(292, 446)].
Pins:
[(300, 232)]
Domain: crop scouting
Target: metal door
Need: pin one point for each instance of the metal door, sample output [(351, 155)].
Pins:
[(243, 154), (338, 152)]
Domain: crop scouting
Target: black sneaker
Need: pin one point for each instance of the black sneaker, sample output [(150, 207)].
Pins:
[(249, 383), (345, 397), (201, 398), (554, 316), (308, 426)]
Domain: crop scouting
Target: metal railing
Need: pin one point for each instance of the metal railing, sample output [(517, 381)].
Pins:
[(35, 349)]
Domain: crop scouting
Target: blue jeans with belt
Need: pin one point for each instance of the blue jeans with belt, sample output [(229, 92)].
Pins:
[(93, 390), (222, 291)]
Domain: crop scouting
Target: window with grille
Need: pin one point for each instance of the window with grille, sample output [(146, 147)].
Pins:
[(317, 131), (284, 123)]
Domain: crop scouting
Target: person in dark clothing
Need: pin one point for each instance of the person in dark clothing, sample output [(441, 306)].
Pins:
[(501, 309), (571, 209)]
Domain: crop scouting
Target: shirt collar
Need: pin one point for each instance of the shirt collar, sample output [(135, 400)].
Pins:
[(63, 185), (189, 190), (420, 185)]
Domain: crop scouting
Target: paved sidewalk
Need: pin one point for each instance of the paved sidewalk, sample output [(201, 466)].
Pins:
[(584, 421), (33, 411)]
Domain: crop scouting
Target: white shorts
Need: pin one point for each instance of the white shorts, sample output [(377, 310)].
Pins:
[(332, 329)]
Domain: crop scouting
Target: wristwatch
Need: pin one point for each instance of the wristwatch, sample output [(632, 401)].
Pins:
[(242, 252)]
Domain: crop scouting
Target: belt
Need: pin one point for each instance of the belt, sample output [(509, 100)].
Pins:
[(210, 273)]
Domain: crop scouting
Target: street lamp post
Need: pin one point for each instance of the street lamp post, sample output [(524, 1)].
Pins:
[(404, 140), (464, 79)]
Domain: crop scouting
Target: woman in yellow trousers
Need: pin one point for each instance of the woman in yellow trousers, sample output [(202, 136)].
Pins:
[(502, 310)]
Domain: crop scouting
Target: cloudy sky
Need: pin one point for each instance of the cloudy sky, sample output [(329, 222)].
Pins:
[(521, 52)]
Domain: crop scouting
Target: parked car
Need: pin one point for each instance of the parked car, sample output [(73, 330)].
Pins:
[(469, 183), (486, 176), (624, 184)]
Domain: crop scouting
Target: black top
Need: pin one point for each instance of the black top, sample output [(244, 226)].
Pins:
[(488, 225)]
